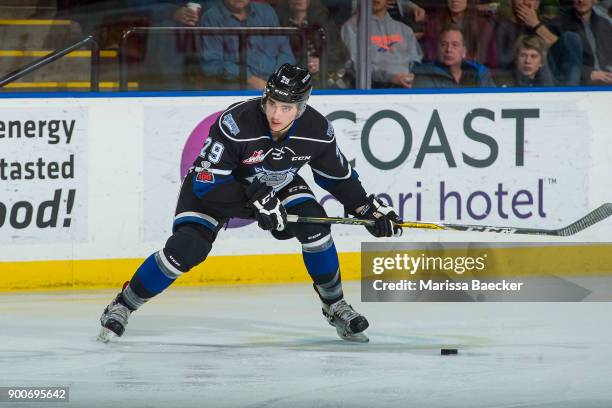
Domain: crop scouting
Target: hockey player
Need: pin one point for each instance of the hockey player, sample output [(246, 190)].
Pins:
[(248, 168)]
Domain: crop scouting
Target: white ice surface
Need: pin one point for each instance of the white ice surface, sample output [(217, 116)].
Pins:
[(268, 346)]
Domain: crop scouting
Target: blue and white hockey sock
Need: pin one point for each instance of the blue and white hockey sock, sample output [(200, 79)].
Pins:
[(321, 260), (153, 277)]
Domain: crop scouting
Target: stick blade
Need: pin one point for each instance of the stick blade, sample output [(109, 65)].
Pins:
[(599, 214)]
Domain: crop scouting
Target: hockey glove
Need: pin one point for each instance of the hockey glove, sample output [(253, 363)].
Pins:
[(383, 215), (269, 212)]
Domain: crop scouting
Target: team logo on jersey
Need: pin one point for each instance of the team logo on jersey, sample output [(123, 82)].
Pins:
[(276, 179), (205, 176), (257, 157), (230, 123), (278, 154)]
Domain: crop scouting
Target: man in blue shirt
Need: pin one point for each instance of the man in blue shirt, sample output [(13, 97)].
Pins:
[(170, 58), (264, 53), (451, 69)]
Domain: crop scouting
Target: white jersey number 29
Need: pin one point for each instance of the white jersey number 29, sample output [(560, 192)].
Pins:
[(215, 152)]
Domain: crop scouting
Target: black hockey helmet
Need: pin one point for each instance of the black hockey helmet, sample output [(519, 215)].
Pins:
[(290, 84)]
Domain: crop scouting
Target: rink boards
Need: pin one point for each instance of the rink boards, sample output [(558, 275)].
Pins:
[(88, 185)]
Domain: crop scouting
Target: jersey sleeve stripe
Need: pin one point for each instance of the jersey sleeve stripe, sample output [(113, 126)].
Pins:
[(220, 172), (320, 173), (314, 140), (296, 199)]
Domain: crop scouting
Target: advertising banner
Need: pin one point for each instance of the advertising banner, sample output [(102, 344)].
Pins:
[(495, 161), (43, 175), (98, 178)]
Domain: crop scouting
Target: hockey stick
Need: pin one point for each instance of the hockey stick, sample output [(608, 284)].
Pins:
[(599, 214)]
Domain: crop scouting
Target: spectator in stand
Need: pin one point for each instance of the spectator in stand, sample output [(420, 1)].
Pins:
[(530, 63), (479, 34), (171, 12), (595, 34), (312, 15), (407, 12), (180, 47), (565, 53), (451, 69), (274, 3), (604, 9), (393, 48), (264, 54)]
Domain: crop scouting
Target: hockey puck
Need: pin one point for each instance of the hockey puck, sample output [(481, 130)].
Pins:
[(448, 352)]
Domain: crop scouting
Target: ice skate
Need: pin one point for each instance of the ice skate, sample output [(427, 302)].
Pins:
[(114, 319), (349, 324)]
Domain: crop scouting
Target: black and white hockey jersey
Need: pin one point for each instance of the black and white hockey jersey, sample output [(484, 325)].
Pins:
[(240, 149)]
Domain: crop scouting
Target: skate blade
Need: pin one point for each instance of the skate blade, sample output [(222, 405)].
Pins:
[(353, 337), (105, 335)]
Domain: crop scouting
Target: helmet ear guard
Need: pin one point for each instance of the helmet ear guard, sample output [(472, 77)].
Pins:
[(289, 84)]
